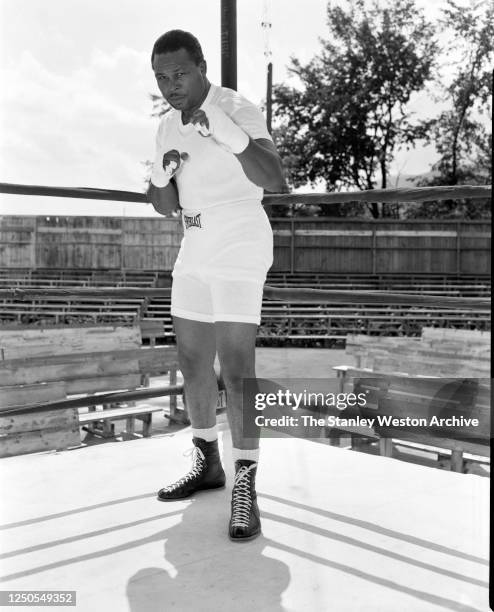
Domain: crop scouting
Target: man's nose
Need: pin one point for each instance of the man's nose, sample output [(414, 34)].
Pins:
[(170, 87)]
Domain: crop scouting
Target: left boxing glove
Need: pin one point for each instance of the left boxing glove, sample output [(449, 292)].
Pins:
[(213, 121)]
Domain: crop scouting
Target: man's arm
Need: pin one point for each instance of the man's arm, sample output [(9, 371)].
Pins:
[(164, 199), (163, 192), (258, 157), (262, 165)]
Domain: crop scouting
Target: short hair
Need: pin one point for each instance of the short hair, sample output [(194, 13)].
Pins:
[(175, 40)]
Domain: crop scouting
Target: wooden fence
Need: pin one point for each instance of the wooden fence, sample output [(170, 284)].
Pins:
[(301, 244), (89, 242), (382, 246)]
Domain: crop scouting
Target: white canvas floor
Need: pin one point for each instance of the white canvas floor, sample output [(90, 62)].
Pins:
[(341, 531)]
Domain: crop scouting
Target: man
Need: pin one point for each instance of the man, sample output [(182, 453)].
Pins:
[(214, 158)]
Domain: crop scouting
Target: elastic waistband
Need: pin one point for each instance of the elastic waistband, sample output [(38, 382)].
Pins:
[(242, 206)]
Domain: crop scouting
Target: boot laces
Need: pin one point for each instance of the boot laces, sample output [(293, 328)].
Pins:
[(242, 500), (198, 463)]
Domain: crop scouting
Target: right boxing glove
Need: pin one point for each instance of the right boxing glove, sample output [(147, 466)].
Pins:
[(171, 162)]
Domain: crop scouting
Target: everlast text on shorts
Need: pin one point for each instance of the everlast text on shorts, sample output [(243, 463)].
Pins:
[(192, 221)]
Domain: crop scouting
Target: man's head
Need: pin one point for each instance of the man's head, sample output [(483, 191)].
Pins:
[(180, 69)]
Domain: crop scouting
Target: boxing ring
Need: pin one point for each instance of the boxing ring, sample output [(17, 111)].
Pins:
[(341, 530)]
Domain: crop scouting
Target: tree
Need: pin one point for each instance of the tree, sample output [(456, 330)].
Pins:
[(463, 143), (160, 105), (345, 122)]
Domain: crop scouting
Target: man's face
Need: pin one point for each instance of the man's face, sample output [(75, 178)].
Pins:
[(181, 81)]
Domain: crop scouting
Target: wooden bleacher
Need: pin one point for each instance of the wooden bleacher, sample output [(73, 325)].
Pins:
[(39, 366), (308, 325), (299, 324), (445, 372), (50, 310), (77, 278)]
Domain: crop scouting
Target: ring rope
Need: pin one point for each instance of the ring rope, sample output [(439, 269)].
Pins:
[(421, 194), (418, 194), (305, 295)]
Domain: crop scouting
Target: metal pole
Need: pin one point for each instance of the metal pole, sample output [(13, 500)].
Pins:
[(374, 251), (34, 247), (458, 249), (269, 96), (292, 245), (122, 244), (229, 43)]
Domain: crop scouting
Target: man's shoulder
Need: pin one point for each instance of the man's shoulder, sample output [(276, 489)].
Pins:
[(242, 111), (230, 100)]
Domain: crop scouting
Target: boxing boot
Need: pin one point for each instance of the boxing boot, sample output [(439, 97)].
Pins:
[(206, 472), (245, 522)]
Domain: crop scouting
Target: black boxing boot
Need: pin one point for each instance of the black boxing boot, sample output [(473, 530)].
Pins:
[(245, 522), (206, 472)]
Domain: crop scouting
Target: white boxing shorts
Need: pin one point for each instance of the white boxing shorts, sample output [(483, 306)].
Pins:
[(222, 264)]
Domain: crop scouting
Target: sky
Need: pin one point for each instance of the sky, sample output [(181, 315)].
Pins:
[(75, 106)]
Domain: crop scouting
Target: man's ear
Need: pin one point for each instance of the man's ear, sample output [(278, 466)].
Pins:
[(203, 67)]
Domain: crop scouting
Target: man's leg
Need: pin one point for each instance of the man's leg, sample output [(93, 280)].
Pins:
[(236, 352), (196, 347), (236, 344)]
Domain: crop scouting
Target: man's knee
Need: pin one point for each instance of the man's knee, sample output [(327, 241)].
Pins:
[(234, 372), (193, 361)]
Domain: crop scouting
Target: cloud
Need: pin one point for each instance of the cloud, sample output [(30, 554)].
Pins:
[(74, 102), (78, 128)]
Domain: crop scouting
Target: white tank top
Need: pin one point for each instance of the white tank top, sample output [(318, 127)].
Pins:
[(211, 175)]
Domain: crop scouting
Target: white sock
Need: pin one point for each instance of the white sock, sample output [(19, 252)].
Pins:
[(241, 453), (210, 434)]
